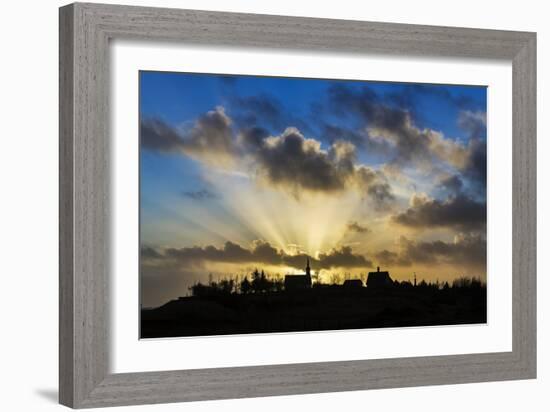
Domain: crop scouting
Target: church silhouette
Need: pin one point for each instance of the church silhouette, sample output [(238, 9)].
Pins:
[(299, 281)]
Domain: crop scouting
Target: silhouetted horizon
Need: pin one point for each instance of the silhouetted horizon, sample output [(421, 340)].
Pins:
[(266, 282), (265, 307)]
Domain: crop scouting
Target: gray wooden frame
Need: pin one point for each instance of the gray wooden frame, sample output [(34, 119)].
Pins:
[(85, 31)]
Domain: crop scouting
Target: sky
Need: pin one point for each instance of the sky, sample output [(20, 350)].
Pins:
[(245, 172)]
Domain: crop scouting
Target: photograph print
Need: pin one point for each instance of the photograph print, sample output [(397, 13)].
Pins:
[(275, 204)]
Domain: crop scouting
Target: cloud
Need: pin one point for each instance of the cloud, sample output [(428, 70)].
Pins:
[(359, 138), (251, 138), (196, 255), (260, 252), (452, 184), (389, 258), (263, 252), (292, 161), (295, 163), (202, 194), (261, 108), (423, 148), (355, 227), (288, 161), (209, 140), (366, 104), (420, 147), (264, 110), (475, 168), (409, 94), (148, 253), (395, 125), (381, 194), (457, 211), (475, 123), (335, 258), (343, 257), (466, 250), (374, 185), (158, 136)]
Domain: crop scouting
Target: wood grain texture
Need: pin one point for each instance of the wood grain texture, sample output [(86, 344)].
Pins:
[(524, 208), (85, 31), (66, 107)]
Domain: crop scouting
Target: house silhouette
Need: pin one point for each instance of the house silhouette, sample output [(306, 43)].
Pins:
[(379, 279), (353, 283), (299, 282)]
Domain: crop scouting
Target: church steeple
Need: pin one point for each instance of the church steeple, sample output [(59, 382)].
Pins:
[(308, 269)]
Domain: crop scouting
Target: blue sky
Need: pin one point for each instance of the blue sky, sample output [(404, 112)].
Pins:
[(177, 96)]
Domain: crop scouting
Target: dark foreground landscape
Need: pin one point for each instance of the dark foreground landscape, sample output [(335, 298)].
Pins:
[(321, 307)]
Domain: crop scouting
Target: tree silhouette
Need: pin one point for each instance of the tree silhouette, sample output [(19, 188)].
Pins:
[(256, 281), (245, 286)]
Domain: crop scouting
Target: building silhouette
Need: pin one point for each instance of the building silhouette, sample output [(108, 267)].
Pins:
[(301, 281), (353, 283), (379, 279)]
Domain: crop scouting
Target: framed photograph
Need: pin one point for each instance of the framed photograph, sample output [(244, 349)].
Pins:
[(257, 205), (250, 225)]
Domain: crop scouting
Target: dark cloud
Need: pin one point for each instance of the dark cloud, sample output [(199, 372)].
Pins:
[(203, 194), (407, 97), (388, 258), (467, 251), (360, 139), (263, 252), (260, 252), (396, 126), (210, 139), (475, 123), (264, 110), (158, 136), (367, 104), (374, 186), (452, 184), (343, 257), (381, 194), (294, 162), (149, 253), (457, 211), (196, 255), (357, 228), (475, 168), (424, 148), (366, 176), (288, 161), (252, 138), (336, 257), (261, 108)]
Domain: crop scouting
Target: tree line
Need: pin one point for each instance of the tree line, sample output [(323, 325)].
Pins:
[(259, 282)]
